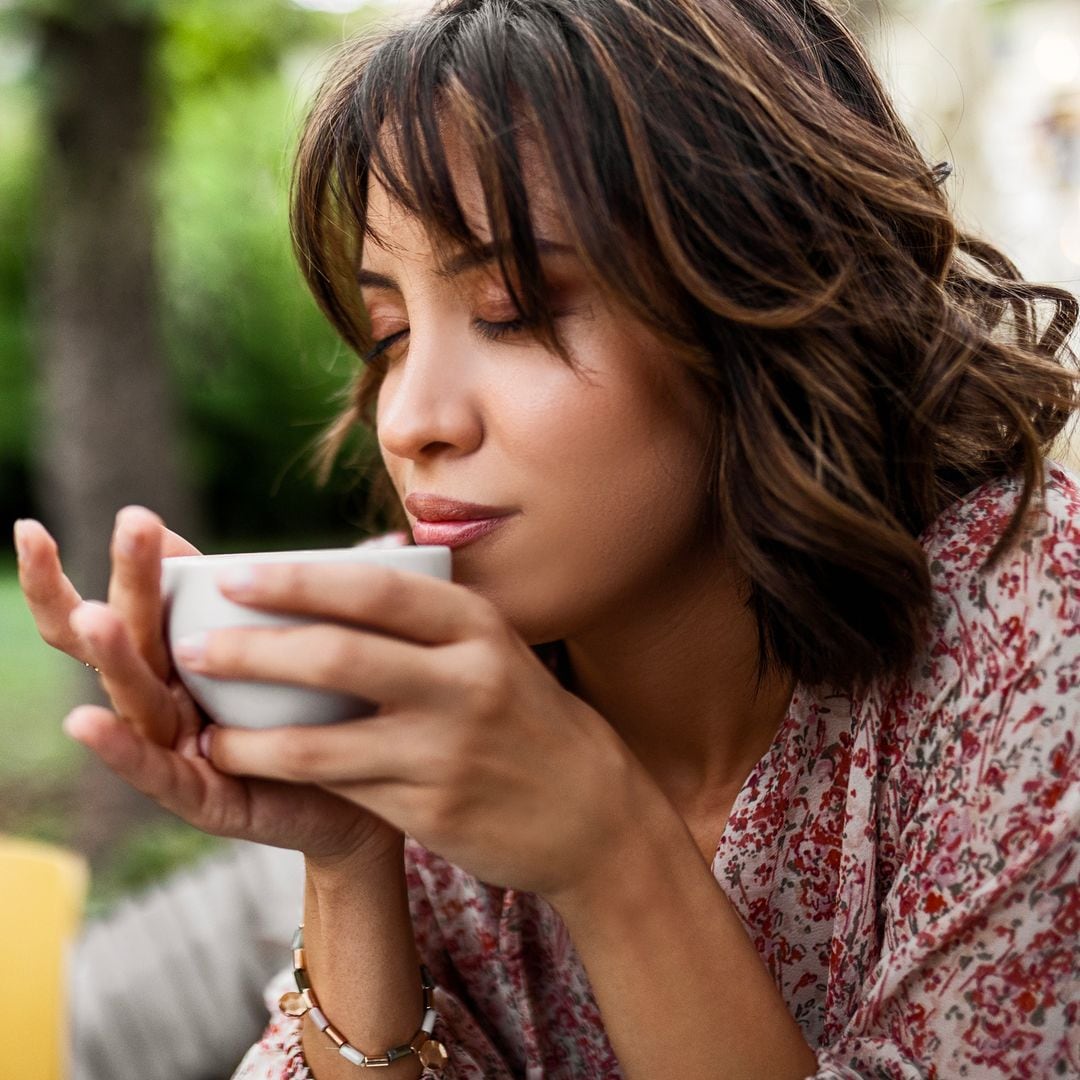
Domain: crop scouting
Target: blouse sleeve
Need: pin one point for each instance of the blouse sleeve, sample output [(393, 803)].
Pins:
[(980, 965)]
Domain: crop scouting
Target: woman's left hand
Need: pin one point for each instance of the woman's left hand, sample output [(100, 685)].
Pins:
[(476, 751)]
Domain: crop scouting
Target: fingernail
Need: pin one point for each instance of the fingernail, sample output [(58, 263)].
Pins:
[(73, 725), (126, 542), (238, 580), (206, 736), (386, 540), (190, 650), (125, 539), (20, 540)]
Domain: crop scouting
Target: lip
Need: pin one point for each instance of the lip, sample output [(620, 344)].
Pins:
[(427, 507), (442, 520), (454, 534)]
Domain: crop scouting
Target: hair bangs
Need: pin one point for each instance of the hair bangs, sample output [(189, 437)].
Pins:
[(388, 119)]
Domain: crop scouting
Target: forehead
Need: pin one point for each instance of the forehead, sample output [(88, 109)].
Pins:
[(402, 230)]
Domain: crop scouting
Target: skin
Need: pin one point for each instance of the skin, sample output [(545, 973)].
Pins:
[(150, 735), (601, 466)]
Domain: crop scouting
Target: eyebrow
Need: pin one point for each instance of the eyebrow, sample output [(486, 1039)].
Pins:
[(459, 264)]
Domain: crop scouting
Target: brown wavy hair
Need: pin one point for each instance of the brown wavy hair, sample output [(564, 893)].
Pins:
[(735, 177)]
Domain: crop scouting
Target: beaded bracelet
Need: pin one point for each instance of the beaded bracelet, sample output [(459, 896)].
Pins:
[(431, 1052)]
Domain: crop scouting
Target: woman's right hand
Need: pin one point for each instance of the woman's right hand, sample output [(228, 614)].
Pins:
[(150, 736)]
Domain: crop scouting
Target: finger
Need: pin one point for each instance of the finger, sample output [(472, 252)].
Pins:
[(188, 785), (409, 605), (173, 544), (386, 540), (135, 584), (49, 594), (319, 655), (165, 776), (368, 750), (135, 690)]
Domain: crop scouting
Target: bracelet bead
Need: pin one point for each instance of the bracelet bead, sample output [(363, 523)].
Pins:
[(433, 1055), (293, 1004), (350, 1053)]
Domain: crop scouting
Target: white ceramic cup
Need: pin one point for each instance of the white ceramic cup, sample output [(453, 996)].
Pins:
[(194, 604)]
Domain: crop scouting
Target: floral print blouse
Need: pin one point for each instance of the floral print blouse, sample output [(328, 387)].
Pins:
[(906, 861)]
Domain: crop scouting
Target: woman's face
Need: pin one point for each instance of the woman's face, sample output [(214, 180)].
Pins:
[(592, 479)]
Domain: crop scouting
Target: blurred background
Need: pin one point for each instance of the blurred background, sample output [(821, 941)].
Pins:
[(157, 344)]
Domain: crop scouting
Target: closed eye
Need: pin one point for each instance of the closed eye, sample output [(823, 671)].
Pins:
[(381, 346), (492, 331), (495, 330)]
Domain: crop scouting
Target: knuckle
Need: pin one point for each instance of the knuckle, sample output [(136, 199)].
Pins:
[(385, 592), (487, 620), (222, 651), (485, 678), (288, 579), (335, 658), (440, 762), (457, 771), (108, 634), (443, 807), (300, 759)]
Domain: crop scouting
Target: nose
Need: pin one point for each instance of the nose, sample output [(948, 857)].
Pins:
[(427, 405)]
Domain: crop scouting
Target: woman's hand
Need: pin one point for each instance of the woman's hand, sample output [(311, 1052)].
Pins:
[(150, 736), (476, 750)]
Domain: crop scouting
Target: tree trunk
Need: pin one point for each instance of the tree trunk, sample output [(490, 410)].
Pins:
[(108, 432)]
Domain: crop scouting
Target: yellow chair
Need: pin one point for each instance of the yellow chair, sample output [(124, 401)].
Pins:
[(42, 890)]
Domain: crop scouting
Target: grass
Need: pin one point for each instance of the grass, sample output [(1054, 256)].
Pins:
[(145, 855), (36, 686)]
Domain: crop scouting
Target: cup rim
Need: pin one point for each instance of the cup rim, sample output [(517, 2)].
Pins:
[(300, 555)]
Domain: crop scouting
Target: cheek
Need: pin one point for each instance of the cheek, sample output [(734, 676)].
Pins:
[(611, 481), (613, 472), (629, 445), (638, 492)]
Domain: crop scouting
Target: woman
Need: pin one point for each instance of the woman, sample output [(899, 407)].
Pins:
[(743, 743)]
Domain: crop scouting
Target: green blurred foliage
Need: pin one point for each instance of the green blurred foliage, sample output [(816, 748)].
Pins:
[(257, 371), (207, 42), (19, 157), (258, 368)]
